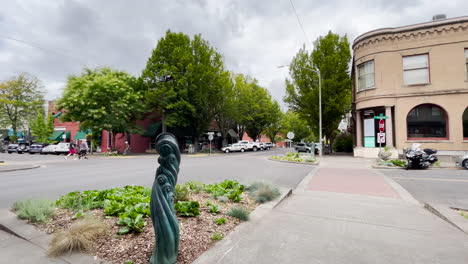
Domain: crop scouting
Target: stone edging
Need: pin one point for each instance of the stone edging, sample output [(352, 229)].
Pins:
[(216, 253), (295, 162), (449, 215)]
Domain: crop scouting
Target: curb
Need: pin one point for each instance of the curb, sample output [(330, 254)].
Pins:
[(404, 194), (216, 253), (449, 215), (20, 168), (295, 162), (402, 168)]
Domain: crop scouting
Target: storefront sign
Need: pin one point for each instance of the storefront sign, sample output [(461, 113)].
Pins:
[(369, 142)]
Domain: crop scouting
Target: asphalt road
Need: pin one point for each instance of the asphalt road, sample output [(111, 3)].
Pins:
[(448, 187), (58, 176)]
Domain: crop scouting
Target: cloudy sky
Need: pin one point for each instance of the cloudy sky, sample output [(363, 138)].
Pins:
[(55, 38)]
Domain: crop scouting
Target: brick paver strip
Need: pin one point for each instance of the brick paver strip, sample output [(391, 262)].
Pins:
[(355, 181)]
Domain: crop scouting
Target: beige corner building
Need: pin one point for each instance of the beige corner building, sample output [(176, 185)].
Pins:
[(417, 77)]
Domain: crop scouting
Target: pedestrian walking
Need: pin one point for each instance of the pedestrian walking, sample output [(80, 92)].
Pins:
[(83, 150), (71, 150)]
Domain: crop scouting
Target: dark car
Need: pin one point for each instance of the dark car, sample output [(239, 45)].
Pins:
[(18, 147), (36, 148), (12, 147)]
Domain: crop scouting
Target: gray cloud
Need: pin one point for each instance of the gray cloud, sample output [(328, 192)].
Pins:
[(254, 36)]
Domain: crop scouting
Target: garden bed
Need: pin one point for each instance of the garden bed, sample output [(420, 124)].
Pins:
[(208, 209), (294, 157)]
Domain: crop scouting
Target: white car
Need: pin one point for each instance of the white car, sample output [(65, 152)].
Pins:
[(62, 148), (50, 149), (463, 162), (234, 147)]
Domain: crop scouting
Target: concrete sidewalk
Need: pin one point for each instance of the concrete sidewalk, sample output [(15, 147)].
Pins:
[(344, 212)]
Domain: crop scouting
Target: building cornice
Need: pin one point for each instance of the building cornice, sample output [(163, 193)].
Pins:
[(385, 96), (411, 32)]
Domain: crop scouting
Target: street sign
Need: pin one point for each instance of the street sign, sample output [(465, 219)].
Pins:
[(380, 137), (210, 137), (290, 135), (381, 116), (381, 125)]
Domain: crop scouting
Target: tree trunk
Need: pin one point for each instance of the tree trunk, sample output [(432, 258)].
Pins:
[(195, 143)]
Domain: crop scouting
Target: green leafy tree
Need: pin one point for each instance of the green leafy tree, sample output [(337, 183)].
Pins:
[(331, 55), (292, 122), (225, 108), (42, 129), (274, 127), (103, 99), (186, 102), (21, 97)]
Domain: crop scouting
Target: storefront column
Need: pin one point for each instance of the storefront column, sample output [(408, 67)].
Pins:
[(358, 129), (389, 126)]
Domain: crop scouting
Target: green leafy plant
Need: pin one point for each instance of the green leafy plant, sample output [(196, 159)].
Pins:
[(34, 210), (78, 214), (132, 222), (181, 193), (195, 187), (229, 188), (398, 163), (239, 212), (213, 208), (220, 221), (187, 208), (263, 192), (217, 236)]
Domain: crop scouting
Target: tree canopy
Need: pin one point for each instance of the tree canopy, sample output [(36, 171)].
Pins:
[(292, 122), (331, 55), (21, 97), (42, 129), (102, 99)]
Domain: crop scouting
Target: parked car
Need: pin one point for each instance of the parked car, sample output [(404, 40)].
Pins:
[(50, 149), (251, 145), (36, 148), (463, 161), (62, 148), (303, 147), (267, 145), (234, 147), (12, 147)]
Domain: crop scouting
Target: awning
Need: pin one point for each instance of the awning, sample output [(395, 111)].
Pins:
[(82, 135), (57, 135), (57, 115), (152, 129)]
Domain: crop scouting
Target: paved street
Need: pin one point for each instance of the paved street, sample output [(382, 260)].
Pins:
[(58, 176), (447, 187)]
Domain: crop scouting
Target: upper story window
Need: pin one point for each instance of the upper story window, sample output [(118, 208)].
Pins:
[(366, 78), (466, 62), (416, 69)]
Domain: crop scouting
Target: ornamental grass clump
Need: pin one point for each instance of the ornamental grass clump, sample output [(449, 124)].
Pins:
[(34, 210), (79, 236), (263, 192), (239, 212)]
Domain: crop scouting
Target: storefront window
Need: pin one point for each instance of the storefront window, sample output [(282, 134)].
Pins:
[(465, 124), (427, 121)]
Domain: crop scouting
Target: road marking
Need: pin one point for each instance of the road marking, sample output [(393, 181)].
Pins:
[(428, 179)]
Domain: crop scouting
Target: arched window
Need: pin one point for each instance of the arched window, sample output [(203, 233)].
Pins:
[(427, 121), (465, 124)]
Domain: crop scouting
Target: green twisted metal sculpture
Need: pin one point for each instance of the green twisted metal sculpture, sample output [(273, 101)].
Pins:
[(164, 219)]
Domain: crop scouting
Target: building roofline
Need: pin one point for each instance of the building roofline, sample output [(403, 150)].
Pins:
[(407, 28)]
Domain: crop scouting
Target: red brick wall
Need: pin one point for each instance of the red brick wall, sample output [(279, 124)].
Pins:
[(138, 143)]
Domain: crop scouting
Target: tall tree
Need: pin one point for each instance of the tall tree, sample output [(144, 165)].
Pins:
[(21, 97), (274, 127), (102, 99), (331, 55), (225, 108), (42, 129), (196, 67), (292, 122)]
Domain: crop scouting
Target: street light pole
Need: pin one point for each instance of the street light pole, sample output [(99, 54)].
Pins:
[(320, 101)]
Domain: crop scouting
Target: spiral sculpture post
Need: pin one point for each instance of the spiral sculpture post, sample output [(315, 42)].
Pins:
[(164, 219)]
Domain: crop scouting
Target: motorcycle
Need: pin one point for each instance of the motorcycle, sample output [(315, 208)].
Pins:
[(420, 159)]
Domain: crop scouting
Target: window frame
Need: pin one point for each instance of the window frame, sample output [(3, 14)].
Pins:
[(413, 69), (359, 76), (466, 62), (447, 126)]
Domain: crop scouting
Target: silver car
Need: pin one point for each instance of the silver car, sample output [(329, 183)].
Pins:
[(463, 162)]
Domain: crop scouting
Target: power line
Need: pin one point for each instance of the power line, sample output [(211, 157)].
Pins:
[(33, 44), (300, 23)]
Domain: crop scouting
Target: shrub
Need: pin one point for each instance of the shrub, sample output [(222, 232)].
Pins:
[(229, 188), (213, 208), (195, 186), (132, 222), (343, 143), (181, 193), (34, 210), (78, 237), (187, 208), (239, 212), (399, 163), (263, 192), (217, 236), (220, 221)]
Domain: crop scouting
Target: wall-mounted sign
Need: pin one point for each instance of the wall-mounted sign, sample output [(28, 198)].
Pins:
[(369, 142)]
